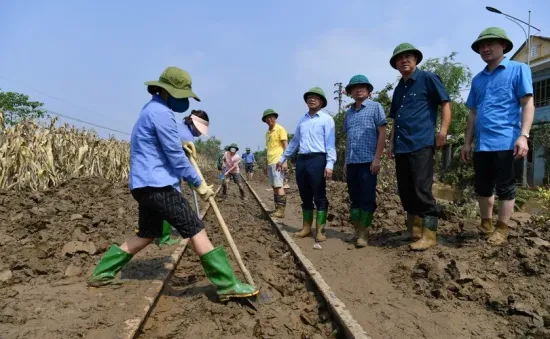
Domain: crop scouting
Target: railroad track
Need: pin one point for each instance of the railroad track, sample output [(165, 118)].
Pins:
[(183, 303)]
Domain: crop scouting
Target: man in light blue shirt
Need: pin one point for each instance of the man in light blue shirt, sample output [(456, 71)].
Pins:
[(249, 162), (157, 164), (501, 113), (315, 140)]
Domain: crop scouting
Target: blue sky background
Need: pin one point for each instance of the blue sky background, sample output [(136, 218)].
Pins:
[(243, 56)]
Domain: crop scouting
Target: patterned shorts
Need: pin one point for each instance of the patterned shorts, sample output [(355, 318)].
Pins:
[(157, 204)]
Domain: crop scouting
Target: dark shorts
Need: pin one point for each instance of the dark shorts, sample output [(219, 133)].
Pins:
[(157, 204), (249, 168), (235, 176), (495, 170)]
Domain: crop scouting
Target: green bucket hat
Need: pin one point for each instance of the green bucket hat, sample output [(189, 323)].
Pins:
[(175, 81), (358, 80), (269, 112), (493, 33), (319, 91), (233, 145), (402, 48), (248, 149)]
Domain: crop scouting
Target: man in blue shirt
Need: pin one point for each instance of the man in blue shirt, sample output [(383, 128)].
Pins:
[(414, 109), (249, 161), (501, 113), (365, 130), (314, 139), (157, 164)]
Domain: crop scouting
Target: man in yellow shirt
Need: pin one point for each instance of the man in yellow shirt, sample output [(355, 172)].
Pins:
[(276, 141)]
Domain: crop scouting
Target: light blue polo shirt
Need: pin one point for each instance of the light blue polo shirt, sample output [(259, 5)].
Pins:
[(496, 97)]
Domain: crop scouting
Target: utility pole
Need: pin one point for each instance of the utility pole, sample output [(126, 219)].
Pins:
[(339, 95)]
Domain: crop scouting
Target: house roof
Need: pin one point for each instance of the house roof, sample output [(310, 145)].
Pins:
[(525, 42)]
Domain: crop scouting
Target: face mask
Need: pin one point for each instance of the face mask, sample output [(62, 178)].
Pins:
[(233, 150), (178, 105)]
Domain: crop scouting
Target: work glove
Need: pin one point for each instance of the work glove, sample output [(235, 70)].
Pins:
[(204, 191), (190, 150)]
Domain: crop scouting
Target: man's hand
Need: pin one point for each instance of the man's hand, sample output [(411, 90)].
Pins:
[(521, 148), (285, 166), (389, 151), (190, 150), (279, 166), (466, 153), (375, 166), (204, 191), (441, 139), (328, 173)]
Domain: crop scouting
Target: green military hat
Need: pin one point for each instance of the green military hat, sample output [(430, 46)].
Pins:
[(233, 145), (175, 81), (358, 80), (402, 48), (318, 91), (493, 33), (248, 149), (269, 112)]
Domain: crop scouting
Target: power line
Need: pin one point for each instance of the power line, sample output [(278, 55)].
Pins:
[(87, 122)]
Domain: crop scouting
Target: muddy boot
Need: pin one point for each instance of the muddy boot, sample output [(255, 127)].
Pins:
[(281, 205), (414, 229), (110, 264), (307, 217), (429, 234), (355, 214), (364, 226), (320, 226), (486, 228), (500, 235), (166, 233), (242, 192), (275, 199), (218, 270)]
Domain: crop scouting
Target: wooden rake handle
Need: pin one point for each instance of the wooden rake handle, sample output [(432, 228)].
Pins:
[(225, 230)]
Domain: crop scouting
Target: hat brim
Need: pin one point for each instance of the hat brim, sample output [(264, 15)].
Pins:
[(175, 92), (350, 86), (317, 94), (201, 127), (265, 116), (509, 43), (417, 52)]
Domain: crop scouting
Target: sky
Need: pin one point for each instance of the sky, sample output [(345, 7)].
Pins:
[(89, 59)]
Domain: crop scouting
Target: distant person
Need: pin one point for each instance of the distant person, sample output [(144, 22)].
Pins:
[(315, 140), (501, 113), (157, 164), (365, 130), (276, 141), (233, 160), (249, 162), (413, 140)]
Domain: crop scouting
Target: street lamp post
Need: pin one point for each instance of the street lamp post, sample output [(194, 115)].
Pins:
[(528, 40)]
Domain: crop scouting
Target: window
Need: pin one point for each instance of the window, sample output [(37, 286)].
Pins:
[(534, 51), (541, 91)]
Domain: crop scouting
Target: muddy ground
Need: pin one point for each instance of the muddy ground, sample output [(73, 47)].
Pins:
[(50, 243), (188, 306), (463, 288)]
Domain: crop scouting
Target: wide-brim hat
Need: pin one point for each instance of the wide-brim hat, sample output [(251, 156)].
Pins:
[(233, 146), (405, 48), (359, 80), (318, 91), (176, 82), (493, 33), (200, 124), (269, 112)]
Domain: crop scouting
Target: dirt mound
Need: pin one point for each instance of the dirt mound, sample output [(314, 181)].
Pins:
[(188, 307)]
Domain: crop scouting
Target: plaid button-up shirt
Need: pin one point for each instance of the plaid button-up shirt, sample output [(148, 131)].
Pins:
[(361, 128)]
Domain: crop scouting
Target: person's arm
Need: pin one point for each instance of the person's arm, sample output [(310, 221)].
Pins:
[(167, 133), (292, 145), (330, 142)]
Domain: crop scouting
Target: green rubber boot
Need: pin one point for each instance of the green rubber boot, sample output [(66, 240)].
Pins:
[(320, 226), (364, 226), (166, 233), (307, 222), (110, 264), (355, 215), (218, 270)]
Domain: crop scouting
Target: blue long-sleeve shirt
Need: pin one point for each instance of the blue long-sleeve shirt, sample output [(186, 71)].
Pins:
[(156, 156), (185, 132), (314, 135)]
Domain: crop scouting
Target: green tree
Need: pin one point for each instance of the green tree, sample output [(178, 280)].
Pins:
[(17, 107), (209, 148)]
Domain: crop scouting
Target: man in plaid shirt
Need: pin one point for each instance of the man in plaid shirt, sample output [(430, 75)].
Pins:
[(365, 128)]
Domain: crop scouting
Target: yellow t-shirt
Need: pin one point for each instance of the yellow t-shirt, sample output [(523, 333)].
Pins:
[(273, 140)]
